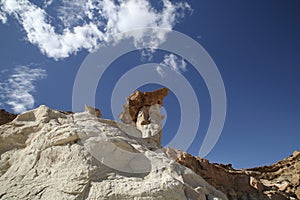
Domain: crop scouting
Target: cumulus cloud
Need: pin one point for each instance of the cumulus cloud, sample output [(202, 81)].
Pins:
[(86, 24), (173, 62), (17, 90)]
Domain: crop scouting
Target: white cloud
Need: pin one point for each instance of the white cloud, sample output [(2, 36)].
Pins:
[(16, 90), (3, 17), (173, 62), (47, 3), (42, 33), (71, 12), (88, 24), (160, 71)]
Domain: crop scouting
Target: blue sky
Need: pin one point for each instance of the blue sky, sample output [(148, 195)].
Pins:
[(255, 45)]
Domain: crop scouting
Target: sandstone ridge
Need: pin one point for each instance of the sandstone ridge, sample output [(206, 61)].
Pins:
[(279, 181), (48, 154), (52, 154)]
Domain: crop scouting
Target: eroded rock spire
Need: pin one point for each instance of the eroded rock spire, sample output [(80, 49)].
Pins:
[(142, 109), (138, 105)]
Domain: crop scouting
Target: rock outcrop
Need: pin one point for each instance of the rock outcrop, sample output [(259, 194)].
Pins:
[(51, 154), (6, 117), (142, 109), (138, 104), (47, 154), (93, 111), (275, 182)]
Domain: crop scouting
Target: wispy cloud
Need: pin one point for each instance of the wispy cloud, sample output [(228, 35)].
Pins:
[(3, 17), (90, 23), (72, 13), (173, 62), (47, 3), (17, 90)]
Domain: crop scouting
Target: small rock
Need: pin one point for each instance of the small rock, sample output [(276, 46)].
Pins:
[(255, 183), (93, 111)]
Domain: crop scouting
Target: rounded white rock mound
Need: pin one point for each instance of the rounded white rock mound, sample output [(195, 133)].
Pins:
[(46, 154)]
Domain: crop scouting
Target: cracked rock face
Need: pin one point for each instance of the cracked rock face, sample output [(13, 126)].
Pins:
[(47, 154), (280, 181)]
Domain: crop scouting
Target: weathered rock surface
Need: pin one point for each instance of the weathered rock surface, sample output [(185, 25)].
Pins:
[(51, 154), (275, 182), (47, 154), (93, 111), (142, 109), (141, 101), (6, 117)]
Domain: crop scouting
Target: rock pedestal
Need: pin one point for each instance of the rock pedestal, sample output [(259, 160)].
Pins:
[(142, 109), (141, 101)]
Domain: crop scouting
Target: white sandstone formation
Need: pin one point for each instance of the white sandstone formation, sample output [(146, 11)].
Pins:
[(153, 128), (46, 154)]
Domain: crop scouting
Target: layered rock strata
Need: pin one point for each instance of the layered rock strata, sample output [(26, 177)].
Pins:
[(275, 182)]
